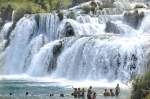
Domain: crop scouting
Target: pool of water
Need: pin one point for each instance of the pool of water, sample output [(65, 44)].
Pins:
[(41, 90)]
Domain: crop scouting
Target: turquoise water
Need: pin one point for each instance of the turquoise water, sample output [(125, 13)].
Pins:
[(41, 90)]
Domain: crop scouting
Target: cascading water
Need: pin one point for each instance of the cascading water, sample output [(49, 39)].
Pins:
[(79, 49), (95, 59), (31, 33)]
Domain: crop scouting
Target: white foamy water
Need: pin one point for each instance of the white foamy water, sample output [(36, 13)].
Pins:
[(104, 83)]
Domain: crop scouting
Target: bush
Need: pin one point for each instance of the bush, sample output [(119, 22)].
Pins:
[(141, 87), (148, 97)]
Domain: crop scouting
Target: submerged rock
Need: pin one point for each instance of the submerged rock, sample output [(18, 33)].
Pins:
[(134, 18), (112, 28)]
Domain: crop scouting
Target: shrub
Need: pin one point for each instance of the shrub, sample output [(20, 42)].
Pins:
[(141, 86)]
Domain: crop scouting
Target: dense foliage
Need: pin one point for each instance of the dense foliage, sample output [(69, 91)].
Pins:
[(21, 7), (141, 87), (36, 5)]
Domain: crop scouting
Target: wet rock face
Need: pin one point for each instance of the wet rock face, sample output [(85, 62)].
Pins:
[(134, 18), (60, 15), (56, 51), (69, 31), (57, 48), (112, 28), (1, 22)]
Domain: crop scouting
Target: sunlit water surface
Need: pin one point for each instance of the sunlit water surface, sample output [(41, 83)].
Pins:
[(40, 88)]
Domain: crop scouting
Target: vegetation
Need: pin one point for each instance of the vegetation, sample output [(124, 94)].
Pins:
[(21, 7), (37, 5), (141, 87)]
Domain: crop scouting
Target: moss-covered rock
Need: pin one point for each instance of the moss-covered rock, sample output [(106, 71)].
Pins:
[(6, 12), (86, 9), (19, 13), (60, 15), (113, 28), (93, 5), (71, 15)]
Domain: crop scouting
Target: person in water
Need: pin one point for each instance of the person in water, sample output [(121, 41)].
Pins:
[(106, 93), (117, 90), (111, 92), (94, 95), (83, 92), (89, 93), (75, 93), (78, 92)]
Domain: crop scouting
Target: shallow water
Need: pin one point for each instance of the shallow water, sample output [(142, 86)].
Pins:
[(41, 90)]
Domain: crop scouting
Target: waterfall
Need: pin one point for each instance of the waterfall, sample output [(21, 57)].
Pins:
[(31, 29), (145, 26), (95, 59), (3, 39), (43, 60), (86, 48)]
